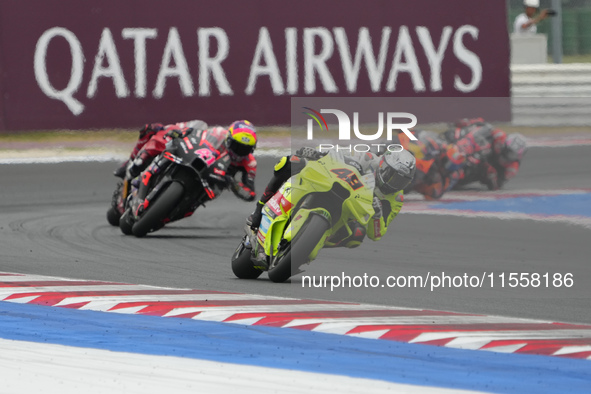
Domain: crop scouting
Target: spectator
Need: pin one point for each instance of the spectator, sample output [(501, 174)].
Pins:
[(525, 23)]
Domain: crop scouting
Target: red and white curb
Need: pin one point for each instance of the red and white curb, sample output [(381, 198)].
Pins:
[(448, 329)]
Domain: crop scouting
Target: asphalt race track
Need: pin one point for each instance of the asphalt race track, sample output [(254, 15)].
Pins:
[(52, 222)]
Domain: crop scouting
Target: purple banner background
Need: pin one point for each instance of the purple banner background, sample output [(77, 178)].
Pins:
[(474, 32)]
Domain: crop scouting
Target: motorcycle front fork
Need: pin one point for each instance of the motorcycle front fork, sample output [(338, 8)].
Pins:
[(257, 251), (159, 165)]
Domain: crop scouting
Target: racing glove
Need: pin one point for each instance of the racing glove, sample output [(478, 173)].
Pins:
[(254, 220), (309, 153), (174, 133)]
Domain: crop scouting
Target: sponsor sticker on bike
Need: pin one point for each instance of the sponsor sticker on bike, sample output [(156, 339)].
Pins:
[(263, 229)]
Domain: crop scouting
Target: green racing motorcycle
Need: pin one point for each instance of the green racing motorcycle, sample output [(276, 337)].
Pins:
[(300, 219)]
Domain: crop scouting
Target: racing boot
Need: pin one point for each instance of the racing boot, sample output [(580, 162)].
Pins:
[(120, 172)]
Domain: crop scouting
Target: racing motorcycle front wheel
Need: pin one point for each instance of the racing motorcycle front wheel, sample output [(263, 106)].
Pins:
[(293, 255), (126, 223), (113, 216), (158, 210), (242, 264)]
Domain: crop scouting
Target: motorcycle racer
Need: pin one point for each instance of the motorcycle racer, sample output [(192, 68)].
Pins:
[(483, 153), (428, 149), (393, 172), (151, 142), (238, 142)]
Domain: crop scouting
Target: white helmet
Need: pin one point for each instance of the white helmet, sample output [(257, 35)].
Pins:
[(532, 3), (395, 171), (515, 147)]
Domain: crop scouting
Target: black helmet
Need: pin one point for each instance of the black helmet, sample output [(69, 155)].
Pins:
[(395, 171)]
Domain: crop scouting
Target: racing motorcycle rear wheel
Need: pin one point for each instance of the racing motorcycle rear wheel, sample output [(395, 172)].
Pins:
[(113, 213), (295, 254), (158, 209), (242, 264)]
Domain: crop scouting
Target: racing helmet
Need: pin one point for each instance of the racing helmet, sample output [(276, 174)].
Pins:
[(515, 147), (395, 171), (241, 140)]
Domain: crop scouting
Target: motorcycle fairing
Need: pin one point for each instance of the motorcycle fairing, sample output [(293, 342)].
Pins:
[(326, 180)]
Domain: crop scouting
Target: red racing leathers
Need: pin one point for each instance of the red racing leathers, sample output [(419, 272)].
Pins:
[(481, 150), (472, 151), (151, 142), (429, 179)]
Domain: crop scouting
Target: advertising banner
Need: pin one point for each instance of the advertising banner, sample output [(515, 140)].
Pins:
[(73, 65)]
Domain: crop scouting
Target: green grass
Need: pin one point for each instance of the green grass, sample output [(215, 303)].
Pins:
[(577, 59), (70, 136), (573, 59)]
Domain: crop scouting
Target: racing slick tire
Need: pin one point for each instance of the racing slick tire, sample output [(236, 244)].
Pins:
[(242, 265), (125, 223), (158, 210), (113, 216)]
